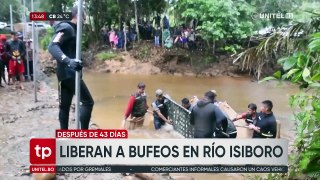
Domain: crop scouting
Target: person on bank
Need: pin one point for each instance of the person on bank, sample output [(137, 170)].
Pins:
[(205, 115), (266, 125), (16, 52), (137, 105), (249, 116), (160, 110), (63, 49), (3, 59)]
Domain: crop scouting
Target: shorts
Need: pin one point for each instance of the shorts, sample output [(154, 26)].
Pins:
[(15, 68), (158, 122)]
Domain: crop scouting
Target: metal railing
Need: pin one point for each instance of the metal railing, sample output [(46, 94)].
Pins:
[(180, 119)]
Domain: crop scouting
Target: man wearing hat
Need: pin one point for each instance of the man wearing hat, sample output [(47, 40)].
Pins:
[(137, 105), (63, 49), (16, 52), (160, 110)]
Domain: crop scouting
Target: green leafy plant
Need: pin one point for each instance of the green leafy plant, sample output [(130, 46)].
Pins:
[(227, 20), (303, 68), (144, 52), (103, 56), (45, 40)]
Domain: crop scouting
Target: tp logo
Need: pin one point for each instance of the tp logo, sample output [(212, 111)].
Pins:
[(43, 151)]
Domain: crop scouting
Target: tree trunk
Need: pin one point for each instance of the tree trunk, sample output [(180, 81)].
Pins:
[(90, 24), (213, 46), (136, 19), (125, 37), (119, 17)]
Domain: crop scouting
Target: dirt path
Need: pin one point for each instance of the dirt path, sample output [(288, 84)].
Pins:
[(22, 119)]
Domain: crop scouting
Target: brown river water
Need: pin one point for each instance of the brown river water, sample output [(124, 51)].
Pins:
[(111, 93)]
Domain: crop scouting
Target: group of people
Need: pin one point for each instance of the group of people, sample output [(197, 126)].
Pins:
[(207, 118), (183, 36), (13, 54), (263, 123), (137, 107), (115, 38)]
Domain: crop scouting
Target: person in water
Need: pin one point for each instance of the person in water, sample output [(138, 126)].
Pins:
[(205, 115), (137, 105), (266, 125), (160, 110), (185, 102), (249, 116)]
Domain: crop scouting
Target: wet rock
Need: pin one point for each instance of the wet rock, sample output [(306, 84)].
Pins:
[(177, 74), (9, 121), (131, 178), (190, 74), (44, 176), (148, 176), (93, 125), (182, 177)]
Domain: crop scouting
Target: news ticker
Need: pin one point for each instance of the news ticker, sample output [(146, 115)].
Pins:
[(47, 16), (160, 169), (81, 149)]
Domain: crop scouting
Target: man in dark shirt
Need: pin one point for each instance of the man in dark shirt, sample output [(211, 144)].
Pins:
[(16, 52), (137, 105), (266, 125), (160, 110), (186, 104), (63, 49), (205, 116)]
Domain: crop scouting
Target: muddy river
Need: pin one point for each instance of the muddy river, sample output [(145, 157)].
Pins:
[(111, 93)]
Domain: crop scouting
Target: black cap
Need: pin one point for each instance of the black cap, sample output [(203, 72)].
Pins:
[(14, 33), (141, 85)]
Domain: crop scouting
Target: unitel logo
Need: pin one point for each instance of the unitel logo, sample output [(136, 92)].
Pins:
[(43, 151)]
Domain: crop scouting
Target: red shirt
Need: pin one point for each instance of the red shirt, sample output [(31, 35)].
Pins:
[(129, 106)]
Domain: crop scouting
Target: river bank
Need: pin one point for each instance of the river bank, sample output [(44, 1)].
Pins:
[(148, 60), (23, 119)]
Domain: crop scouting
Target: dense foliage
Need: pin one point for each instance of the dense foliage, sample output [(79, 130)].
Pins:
[(219, 20), (303, 68), (5, 11)]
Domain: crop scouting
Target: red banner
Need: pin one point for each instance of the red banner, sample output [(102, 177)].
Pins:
[(38, 16), (110, 133)]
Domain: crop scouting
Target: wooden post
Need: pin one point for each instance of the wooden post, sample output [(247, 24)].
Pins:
[(125, 36), (136, 19), (278, 129)]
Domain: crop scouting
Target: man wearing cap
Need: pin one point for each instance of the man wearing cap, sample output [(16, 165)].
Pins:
[(16, 52), (205, 116), (63, 49), (160, 110), (137, 105)]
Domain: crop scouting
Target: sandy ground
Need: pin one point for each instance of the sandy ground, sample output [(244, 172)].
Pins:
[(22, 119)]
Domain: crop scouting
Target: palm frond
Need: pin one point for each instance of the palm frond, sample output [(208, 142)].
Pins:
[(277, 45)]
